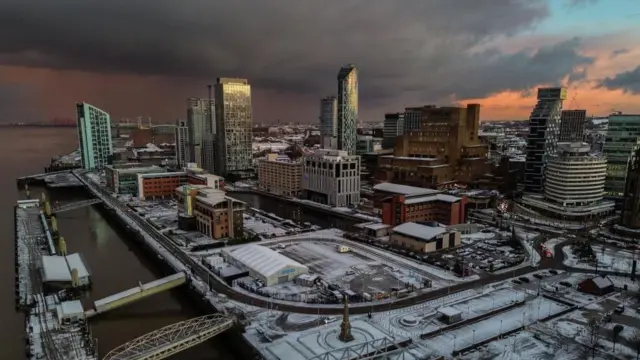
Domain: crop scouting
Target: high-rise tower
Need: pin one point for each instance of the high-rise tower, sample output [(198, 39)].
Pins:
[(234, 131), (94, 136), (572, 123), (347, 108), (199, 123), (544, 125), (182, 143), (329, 117)]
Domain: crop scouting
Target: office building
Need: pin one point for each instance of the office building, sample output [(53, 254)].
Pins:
[(207, 152), (544, 129), (393, 127), (401, 203), (413, 117), (216, 214), (234, 121), (123, 179), (94, 136), (331, 177), (162, 185), (183, 155), (200, 121), (280, 175), (329, 117), (572, 123), (573, 185), (445, 150), (420, 238), (347, 108), (630, 219), (620, 144), (364, 144)]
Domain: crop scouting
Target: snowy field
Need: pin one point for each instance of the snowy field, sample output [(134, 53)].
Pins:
[(467, 335), (575, 325), (609, 258), (551, 243)]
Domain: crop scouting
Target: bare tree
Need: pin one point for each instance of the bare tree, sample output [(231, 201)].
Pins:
[(593, 326), (634, 339)]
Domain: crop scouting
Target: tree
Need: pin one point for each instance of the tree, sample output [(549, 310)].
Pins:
[(593, 326)]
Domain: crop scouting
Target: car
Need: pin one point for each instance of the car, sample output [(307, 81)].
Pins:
[(516, 281), (524, 279), (553, 272), (619, 309), (565, 283), (538, 276)]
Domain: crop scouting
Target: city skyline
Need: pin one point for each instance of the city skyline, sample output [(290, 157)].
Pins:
[(585, 44)]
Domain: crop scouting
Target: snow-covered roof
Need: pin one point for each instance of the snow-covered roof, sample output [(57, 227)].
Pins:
[(377, 226), (602, 282), (262, 259), (69, 308), (449, 311), (58, 268), (419, 231), (436, 197), (404, 189)]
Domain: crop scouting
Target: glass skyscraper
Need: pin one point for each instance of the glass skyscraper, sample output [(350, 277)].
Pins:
[(94, 136), (623, 139), (347, 108), (234, 128)]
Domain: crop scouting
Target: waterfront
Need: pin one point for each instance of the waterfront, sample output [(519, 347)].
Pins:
[(115, 265)]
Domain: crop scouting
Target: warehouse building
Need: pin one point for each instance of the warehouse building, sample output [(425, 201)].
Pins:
[(424, 238), (264, 264)]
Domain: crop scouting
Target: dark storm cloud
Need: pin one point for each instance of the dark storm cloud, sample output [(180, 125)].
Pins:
[(291, 45), (618, 52), (628, 81)]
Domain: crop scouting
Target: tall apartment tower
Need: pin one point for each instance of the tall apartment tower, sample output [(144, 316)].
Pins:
[(199, 121), (94, 136), (544, 129), (621, 143), (234, 131), (393, 127), (182, 143), (347, 108), (572, 123)]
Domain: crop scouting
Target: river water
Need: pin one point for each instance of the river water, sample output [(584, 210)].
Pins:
[(114, 265)]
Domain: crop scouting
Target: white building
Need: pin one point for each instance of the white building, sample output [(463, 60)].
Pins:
[(574, 184), (94, 136), (332, 177), (264, 264)]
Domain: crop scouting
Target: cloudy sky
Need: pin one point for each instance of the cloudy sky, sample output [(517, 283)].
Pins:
[(143, 58)]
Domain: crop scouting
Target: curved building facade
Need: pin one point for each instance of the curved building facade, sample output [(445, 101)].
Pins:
[(347, 108), (574, 177)]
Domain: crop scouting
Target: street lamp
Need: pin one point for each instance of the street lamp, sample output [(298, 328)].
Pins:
[(474, 336)]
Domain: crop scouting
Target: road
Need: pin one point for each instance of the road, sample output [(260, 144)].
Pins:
[(219, 286)]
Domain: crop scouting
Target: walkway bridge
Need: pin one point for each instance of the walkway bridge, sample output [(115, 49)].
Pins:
[(75, 205), (137, 293), (172, 339)]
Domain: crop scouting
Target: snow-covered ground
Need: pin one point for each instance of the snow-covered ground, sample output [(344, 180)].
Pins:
[(261, 226), (551, 243), (609, 258)]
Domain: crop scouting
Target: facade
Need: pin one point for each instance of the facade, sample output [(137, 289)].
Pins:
[(364, 144), (574, 185), (393, 127), (445, 150), (264, 264), (123, 179), (163, 185), (329, 116), (544, 125), (280, 175), (572, 124), (331, 177), (207, 153), (620, 144), (423, 238), (630, 218), (183, 155), (400, 204), (347, 108), (412, 118), (234, 121), (217, 215), (94, 136), (200, 121)]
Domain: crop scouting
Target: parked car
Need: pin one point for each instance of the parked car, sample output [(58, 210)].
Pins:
[(524, 279)]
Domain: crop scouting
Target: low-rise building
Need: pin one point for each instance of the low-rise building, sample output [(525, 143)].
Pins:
[(123, 179), (280, 175), (217, 215), (423, 238), (264, 264), (400, 203), (331, 177), (162, 185)]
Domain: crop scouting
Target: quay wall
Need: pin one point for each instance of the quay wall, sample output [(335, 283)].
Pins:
[(233, 338)]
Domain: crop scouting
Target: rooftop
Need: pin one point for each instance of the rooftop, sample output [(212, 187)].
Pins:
[(404, 189), (418, 231), (436, 197), (261, 259)]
